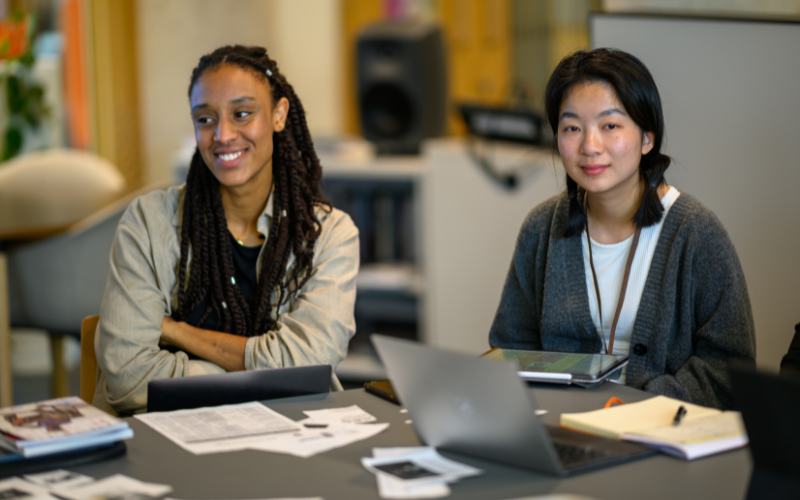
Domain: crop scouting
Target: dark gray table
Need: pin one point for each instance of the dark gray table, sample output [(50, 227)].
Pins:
[(338, 474)]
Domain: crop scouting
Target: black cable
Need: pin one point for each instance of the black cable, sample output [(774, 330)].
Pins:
[(508, 181)]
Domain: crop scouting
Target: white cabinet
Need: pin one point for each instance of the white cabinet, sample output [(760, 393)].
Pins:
[(464, 226)]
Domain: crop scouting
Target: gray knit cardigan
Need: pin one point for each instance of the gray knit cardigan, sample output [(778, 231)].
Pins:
[(694, 315)]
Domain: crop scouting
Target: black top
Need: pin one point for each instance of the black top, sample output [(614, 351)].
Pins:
[(244, 265), (791, 362), (244, 272)]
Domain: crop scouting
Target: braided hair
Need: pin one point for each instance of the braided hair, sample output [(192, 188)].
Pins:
[(636, 90), (295, 227)]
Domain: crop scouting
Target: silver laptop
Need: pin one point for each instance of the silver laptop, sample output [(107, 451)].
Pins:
[(480, 407)]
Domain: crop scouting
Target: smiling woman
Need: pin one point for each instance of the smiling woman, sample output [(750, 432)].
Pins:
[(658, 279), (244, 267)]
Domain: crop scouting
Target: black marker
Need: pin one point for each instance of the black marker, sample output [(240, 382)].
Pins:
[(679, 415)]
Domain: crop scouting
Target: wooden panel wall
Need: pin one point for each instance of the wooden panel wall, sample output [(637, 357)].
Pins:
[(112, 51), (478, 47), (478, 37)]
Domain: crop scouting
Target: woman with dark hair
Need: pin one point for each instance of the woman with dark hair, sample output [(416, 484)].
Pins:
[(244, 267), (621, 262)]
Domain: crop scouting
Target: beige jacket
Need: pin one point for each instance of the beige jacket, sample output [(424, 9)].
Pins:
[(314, 327)]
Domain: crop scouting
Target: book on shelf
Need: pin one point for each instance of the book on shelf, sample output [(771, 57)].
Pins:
[(700, 432), (383, 212), (57, 426)]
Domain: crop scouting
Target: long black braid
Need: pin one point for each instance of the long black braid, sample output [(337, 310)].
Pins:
[(295, 227)]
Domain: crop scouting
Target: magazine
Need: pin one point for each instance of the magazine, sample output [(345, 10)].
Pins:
[(58, 425)]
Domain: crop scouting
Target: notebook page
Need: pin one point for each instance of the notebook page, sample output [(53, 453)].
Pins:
[(710, 428), (616, 421)]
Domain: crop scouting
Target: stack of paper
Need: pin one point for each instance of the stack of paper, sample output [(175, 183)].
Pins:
[(697, 437), (702, 431), (58, 425), (415, 472), (18, 488), (69, 485), (116, 486), (253, 426), (73, 486)]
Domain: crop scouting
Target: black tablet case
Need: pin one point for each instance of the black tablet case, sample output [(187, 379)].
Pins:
[(237, 387)]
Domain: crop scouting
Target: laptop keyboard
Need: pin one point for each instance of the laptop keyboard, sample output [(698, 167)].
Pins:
[(574, 455)]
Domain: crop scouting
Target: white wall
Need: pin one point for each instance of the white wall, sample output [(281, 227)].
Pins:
[(469, 229), (755, 7), (301, 35), (308, 50), (731, 107)]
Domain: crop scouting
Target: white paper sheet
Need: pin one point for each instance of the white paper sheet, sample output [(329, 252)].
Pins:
[(391, 487), (112, 487), (222, 428), (14, 488), (557, 496), (312, 441), (437, 469), (58, 478), (282, 498), (254, 426), (347, 415)]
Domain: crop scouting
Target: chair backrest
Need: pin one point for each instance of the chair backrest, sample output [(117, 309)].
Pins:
[(55, 187), (48, 273), (88, 358)]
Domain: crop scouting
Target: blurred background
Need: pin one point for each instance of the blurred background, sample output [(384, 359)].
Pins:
[(438, 190)]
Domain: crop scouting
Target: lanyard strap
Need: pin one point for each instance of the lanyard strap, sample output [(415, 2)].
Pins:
[(628, 265)]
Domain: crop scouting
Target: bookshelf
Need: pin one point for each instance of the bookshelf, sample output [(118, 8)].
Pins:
[(382, 196), (437, 238)]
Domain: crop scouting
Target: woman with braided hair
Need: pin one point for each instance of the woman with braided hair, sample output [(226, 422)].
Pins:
[(244, 267), (621, 262)]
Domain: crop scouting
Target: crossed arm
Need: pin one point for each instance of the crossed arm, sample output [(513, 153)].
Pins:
[(222, 349)]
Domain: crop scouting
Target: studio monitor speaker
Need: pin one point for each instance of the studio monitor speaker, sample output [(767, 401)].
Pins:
[(402, 85)]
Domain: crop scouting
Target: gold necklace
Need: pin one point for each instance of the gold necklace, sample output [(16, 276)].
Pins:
[(238, 240)]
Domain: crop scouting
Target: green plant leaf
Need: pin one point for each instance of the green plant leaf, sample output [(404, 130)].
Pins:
[(27, 59), (36, 93), (13, 143), (25, 102), (14, 93)]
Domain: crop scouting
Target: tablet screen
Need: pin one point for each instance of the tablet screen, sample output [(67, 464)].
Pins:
[(583, 365)]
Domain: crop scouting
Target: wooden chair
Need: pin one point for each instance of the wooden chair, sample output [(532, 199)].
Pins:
[(88, 358)]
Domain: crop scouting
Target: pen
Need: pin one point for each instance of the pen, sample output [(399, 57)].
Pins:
[(679, 415)]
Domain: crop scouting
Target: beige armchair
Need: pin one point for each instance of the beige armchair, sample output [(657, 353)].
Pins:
[(51, 189)]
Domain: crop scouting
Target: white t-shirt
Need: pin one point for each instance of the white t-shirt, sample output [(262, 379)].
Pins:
[(609, 263)]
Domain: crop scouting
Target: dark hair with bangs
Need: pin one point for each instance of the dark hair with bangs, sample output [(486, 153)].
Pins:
[(636, 90)]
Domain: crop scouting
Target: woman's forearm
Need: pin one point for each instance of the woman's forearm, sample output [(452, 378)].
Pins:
[(222, 349)]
